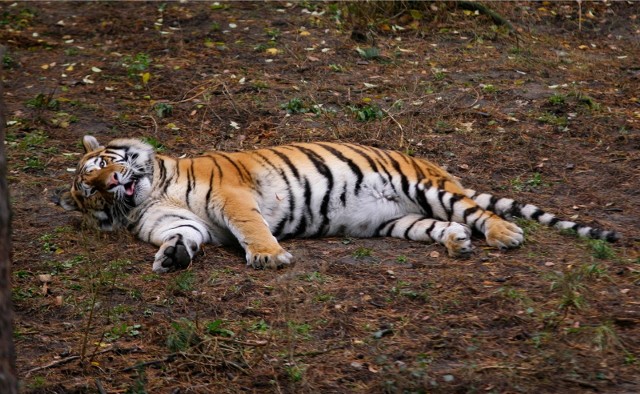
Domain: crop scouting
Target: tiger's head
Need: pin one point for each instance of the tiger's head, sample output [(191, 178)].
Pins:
[(110, 181)]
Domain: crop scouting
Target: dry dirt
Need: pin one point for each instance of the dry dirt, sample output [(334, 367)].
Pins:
[(548, 113)]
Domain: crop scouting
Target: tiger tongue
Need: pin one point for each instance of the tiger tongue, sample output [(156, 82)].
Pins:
[(129, 188)]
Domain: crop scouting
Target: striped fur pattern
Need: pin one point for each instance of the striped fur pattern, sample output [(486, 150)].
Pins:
[(256, 198)]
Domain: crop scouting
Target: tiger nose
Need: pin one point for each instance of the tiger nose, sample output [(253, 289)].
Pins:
[(113, 181)]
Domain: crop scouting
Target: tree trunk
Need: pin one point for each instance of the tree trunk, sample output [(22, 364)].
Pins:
[(8, 378)]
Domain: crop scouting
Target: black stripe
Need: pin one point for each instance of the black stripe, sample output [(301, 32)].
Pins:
[(325, 171), (536, 215), (383, 225), (469, 211), (430, 229), (421, 197), (357, 149), (190, 175), (492, 203), (288, 162), (234, 163), (354, 168), (406, 232)]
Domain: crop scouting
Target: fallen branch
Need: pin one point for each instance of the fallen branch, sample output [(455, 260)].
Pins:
[(52, 364), (484, 10)]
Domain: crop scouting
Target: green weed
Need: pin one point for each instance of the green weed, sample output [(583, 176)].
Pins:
[(42, 101), (136, 64), (336, 68), (157, 145), (371, 53), (300, 329), (182, 336), (33, 140), (367, 113), (557, 99), (122, 330), (183, 282), (216, 328), (163, 110), (33, 164), (260, 326), (600, 249), (362, 252), (553, 119), (295, 373), (488, 88)]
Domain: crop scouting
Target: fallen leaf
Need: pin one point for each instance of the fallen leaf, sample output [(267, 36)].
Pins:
[(272, 51), (435, 254)]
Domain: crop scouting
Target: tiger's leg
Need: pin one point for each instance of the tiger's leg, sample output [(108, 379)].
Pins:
[(452, 204), (455, 237), (498, 232), (177, 231), (243, 217)]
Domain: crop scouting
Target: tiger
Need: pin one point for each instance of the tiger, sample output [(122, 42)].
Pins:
[(256, 198)]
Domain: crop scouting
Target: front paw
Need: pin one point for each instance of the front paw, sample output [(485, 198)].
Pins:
[(172, 255), (260, 259), (457, 239), (504, 235)]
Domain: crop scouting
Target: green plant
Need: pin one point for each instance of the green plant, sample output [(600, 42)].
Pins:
[(295, 373), (136, 64), (273, 33), (553, 119), (367, 112), (163, 110), (182, 336), (600, 249), (260, 326), (121, 330), (557, 99), (315, 276), (157, 145), (215, 328), (488, 88), (362, 252), (444, 127), (33, 163), (183, 282), (42, 101), (336, 68), (370, 53), (300, 329)]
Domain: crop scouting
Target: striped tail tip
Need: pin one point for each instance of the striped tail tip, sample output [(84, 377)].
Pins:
[(588, 232)]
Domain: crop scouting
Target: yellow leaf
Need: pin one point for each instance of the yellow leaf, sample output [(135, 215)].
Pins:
[(272, 51), (145, 78), (304, 33)]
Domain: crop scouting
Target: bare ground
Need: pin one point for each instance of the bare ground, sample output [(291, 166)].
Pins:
[(549, 115)]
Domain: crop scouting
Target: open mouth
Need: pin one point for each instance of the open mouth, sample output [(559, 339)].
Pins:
[(130, 188)]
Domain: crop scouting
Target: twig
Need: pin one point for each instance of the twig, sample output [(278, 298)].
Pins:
[(398, 124), (71, 358), (233, 103), (100, 387), (168, 358), (52, 364)]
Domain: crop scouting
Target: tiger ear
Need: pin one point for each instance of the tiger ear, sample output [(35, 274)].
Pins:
[(90, 143), (68, 202)]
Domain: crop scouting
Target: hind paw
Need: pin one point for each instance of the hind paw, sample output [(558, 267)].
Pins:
[(504, 235), (275, 258), (174, 254)]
